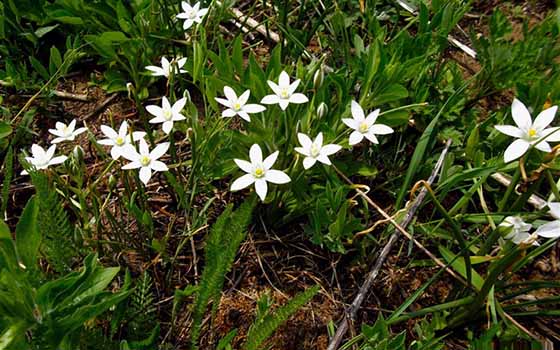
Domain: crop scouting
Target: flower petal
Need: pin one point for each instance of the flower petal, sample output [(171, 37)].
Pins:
[(553, 134), (143, 146), (188, 23), (276, 177), (355, 138), (159, 150), (510, 130), (269, 161), (242, 182), (549, 230), (228, 113), (372, 117), (261, 188), (156, 71), (284, 80), (554, 209), (58, 160), (283, 103), (302, 150), (244, 165), (145, 174), (545, 118), (515, 150), (270, 99), (381, 129), (275, 88), (155, 110), (543, 146), (223, 102), (371, 136), (179, 105), (255, 154), (308, 162), (167, 126), (116, 152), (230, 94), (298, 98), (330, 149), (351, 123), (304, 140), (357, 111), (521, 115), (132, 165), (324, 159), (244, 97), (130, 153), (253, 108), (293, 86), (157, 165)]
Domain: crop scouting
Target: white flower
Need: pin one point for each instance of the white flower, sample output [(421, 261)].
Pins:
[(551, 229), (259, 172), (238, 105), (191, 14), (519, 231), (364, 126), (41, 159), (65, 132), (315, 150), (145, 160), (119, 140), (167, 68), (527, 132), (284, 92), (167, 114)]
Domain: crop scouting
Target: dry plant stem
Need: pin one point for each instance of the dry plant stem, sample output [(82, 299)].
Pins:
[(70, 96), (534, 200), (101, 106), (351, 312)]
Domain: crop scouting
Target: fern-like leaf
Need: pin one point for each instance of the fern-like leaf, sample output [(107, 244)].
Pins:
[(222, 244), (265, 326)]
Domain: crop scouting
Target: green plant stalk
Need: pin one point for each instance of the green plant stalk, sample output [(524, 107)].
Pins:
[(495, 271), (431, 309), (553, 185), (456, 230), (510, 188)]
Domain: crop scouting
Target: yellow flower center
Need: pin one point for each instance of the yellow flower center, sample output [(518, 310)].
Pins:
[(167, 115), (259, 172), (237, 106), (145, 160), (532, 132), (315, 150), (363, 127), (119, 141), (284, 93)]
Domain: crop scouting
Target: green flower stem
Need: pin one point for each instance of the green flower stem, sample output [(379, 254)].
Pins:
[(510, 188)]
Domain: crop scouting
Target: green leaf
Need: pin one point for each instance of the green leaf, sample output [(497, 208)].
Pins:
[(39, 68), (44, 31), (391, 93), (28, 236), (55, 60), (5, 129), (459, 266)]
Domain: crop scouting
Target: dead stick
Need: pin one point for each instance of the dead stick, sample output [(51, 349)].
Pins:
[(71, 96), (351, 312), (100, 107)]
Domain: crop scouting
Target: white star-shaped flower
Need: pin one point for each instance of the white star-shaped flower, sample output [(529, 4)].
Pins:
[(238, 105), (364, 126), (65, 132), (167, 114), (284, 92), (519, 231), (119, 140), (42, 159), (551, 229), (259, 172), (145, 160), (314, 150), (167, 68), (191, 14), (527, 132)]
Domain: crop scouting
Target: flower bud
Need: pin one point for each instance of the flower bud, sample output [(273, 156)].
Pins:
[(112, 182), (78, 153), (187, 95), (322, 110), (318, 78), (130, 89)]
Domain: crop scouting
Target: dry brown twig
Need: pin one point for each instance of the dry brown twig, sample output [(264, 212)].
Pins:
[(399, 228)]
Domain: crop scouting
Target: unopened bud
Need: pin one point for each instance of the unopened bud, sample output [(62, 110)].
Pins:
[(112, 182), (130, 89), (322, 110), (318, 78), (78, 152), (187, 95)]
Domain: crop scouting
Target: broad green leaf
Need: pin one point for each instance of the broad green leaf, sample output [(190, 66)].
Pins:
[(44, 31), (459, 266), (28, 235), (5, 129)]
